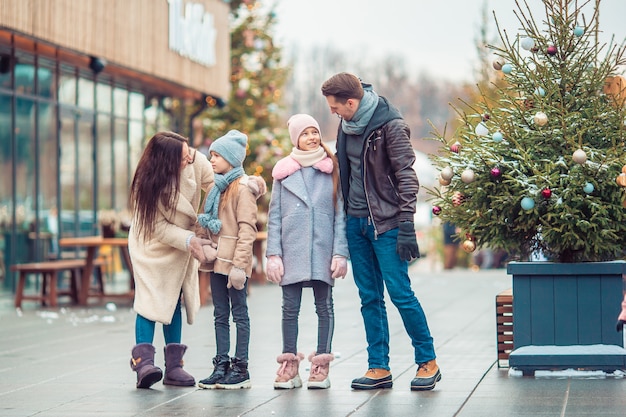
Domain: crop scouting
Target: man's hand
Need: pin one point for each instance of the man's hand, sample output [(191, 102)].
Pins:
[(407, 242)]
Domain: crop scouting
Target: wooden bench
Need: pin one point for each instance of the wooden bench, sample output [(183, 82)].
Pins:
[(50, 272), (504, 325)]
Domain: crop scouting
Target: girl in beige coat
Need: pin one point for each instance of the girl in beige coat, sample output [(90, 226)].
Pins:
[(164, 198), (230, 217)]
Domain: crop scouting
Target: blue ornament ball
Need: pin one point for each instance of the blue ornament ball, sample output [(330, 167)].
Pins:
[(497, 137), (507, 68), (588, 188), (540, 92), (579, 31), (528, 203)]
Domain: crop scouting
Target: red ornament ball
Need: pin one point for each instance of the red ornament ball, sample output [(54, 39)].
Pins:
[(495, 173), (436, 210), (486, 117), (551, 50), (546, 193), (455, 147)]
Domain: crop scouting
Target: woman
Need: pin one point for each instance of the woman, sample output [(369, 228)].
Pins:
[(164, 198)]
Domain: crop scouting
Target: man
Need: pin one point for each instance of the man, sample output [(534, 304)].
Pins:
[(380, 189)]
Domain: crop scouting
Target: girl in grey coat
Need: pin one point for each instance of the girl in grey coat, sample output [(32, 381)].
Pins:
[(306, 245)]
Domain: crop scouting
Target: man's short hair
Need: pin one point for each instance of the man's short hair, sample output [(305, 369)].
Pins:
[(343, 86)]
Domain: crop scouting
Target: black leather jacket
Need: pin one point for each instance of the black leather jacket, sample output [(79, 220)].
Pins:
[(387, 158)]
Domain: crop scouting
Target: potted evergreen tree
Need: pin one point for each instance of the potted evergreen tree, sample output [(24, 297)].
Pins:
[(540, 169)]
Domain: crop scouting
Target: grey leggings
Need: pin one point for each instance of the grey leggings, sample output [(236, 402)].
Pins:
[(292, 297)]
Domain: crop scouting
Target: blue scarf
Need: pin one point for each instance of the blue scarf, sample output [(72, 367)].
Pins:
[(209, 219), (360, 120)]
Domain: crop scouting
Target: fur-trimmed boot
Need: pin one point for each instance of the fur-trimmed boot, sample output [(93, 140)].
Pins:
[(320, 365), (288, 373), (142, 362), (174, 373)]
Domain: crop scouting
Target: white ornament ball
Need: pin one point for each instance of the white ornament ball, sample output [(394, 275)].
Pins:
[(481, 129), (447, 173), (468, 176), (541, 119), (528, 43), (579, 156)]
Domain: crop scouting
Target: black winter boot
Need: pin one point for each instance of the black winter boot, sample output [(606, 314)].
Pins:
[(174, 373), (237, 376), (142, 362), (221, 365)]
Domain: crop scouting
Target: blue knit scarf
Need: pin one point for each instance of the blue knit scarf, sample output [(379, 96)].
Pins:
[(209, 219), (358, 123)]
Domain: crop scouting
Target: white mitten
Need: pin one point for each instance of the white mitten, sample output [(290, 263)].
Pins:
[(275, 269), (339, 266), (236, 278)]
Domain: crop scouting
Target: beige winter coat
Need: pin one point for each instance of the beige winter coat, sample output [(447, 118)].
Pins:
[(163, 266), (238, 232)]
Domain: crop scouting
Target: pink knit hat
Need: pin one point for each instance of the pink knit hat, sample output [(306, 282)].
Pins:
[(297, 123)]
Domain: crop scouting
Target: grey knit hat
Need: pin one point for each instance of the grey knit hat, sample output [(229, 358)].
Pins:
[(231, 147)]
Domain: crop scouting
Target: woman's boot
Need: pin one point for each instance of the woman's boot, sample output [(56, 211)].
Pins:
[(142, 362), (221, 365), (288, 373), (174, 373), (320, 365)]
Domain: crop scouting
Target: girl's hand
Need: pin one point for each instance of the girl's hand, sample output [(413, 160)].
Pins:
[(275, 269), (339, 266)]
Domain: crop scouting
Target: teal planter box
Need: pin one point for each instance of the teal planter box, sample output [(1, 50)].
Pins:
[(572, 306)]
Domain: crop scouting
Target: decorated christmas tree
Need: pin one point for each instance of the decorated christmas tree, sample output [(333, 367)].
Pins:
[(539, 167), (257, 80)]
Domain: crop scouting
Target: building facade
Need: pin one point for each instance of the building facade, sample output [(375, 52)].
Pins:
[(83, 85)]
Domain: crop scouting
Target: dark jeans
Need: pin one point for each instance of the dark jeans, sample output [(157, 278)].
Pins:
[(292, 297), (144, 328), (226, 300), (376, 265)]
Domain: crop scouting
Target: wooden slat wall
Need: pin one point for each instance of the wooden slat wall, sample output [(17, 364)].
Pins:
[(128, 33)]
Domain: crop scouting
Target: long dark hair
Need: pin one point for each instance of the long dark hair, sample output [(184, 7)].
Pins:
[(156, 180)]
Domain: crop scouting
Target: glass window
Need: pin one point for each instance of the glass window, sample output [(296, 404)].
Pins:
[(85, 93), (136, 144), (120, 150), (120, 102), (6, 175), (46, 86), (103, 94), (25, 75), (67, 89), (137, 103), (25, 163), (105, 162)]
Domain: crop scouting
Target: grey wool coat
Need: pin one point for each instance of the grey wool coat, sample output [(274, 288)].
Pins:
[(163, 266), (304, 227)]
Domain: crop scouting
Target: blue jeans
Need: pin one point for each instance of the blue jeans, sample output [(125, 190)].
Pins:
[(376, 265), (226, 300), (144, 328)]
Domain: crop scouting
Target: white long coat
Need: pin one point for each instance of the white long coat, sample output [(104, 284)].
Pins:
[(163, 266)]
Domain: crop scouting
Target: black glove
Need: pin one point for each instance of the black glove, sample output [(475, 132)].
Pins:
[(407, 242), (620, 325)]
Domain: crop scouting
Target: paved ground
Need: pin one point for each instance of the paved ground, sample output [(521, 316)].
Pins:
[(75, 362)]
